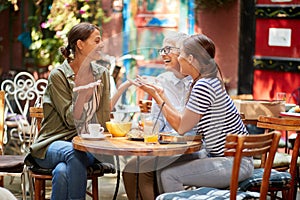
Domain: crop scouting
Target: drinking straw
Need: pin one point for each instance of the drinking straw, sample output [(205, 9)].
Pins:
[(160, 110)]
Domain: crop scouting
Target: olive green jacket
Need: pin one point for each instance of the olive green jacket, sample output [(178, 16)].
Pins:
[(58, 122)]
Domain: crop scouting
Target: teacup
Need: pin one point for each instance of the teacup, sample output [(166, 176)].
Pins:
[(95, 130)]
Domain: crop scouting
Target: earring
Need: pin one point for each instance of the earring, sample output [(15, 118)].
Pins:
[(190, 58)]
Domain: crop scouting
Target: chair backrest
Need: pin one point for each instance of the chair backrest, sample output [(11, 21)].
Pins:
[(296, 96), (37, 115), (145, 105), (21, 93), (242, 96), (2, 102), (239, 146), (285, 124)]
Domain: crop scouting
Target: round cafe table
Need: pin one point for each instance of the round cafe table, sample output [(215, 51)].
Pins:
[(121, 146)]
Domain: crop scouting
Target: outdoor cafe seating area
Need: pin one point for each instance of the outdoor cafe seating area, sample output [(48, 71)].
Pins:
[(22, 112)]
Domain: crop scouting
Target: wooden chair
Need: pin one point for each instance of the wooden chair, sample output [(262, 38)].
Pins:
[(237, 146), (286, 182), (242, 96), (145, 105), (10, 165), (281, 160), (295, 95), (41, 175)]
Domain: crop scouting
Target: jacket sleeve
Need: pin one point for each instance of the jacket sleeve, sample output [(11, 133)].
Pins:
[(61, 97)]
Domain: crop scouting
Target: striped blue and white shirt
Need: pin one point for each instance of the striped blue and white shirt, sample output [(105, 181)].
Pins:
[(219, 115)]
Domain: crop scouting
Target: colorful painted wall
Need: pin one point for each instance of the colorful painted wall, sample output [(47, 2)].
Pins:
[(222, 26), (277, 49)]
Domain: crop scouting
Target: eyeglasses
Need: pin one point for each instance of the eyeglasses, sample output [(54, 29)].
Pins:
[(167, 49)]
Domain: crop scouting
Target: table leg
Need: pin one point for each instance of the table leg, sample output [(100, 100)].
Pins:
[(286, 142), (156, 184), (137, 177), (118, 178), (293, 168)]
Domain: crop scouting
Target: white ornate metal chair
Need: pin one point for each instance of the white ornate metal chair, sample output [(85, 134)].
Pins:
[(20, 94), (10, 165)]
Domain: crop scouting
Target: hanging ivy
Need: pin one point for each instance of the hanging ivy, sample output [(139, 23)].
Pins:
[(211, 4)]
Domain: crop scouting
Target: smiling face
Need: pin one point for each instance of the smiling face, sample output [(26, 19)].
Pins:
[(169, 54), (92, 46), (185, 66), (197, 57)]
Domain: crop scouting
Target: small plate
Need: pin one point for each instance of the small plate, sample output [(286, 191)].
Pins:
[(90, 137), (290, 114), (289, 106)]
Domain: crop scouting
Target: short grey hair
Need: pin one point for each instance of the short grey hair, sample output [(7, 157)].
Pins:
[(174, 39)]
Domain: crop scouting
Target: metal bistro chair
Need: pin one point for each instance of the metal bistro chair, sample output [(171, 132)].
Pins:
[(20, 93), (41, 175), (10, 165), (237, 146)]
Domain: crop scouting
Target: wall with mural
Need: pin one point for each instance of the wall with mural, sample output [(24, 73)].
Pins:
[(149, 22)]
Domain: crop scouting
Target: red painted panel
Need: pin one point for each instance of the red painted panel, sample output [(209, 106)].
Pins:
[(272, 2), (267, 83), (262, 33)]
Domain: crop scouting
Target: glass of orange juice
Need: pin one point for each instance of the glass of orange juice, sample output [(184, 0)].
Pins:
[(150, 132)]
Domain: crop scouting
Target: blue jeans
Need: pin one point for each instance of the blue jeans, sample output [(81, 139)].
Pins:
[(69, 175)]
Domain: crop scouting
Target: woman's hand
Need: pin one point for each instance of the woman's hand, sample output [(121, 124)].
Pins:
[(148, 85), (151, 89), (86, 87)]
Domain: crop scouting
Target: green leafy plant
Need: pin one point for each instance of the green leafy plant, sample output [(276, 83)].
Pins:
[(6, 4), (52, 21), (211, 4)]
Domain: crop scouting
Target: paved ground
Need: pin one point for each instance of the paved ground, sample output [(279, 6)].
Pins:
[(106, 188)]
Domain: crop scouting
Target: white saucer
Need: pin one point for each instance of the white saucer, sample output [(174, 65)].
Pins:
[(90, 137), (290, 114)]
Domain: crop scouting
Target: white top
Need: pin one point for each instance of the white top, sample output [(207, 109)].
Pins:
[(5, 194), (219, 115), (176, 90)]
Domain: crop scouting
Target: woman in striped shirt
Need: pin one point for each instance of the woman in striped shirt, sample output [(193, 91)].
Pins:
[(212, 114)]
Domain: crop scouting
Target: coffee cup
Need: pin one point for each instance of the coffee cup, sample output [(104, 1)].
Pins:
[(95, 130)]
